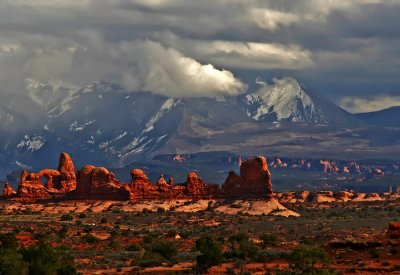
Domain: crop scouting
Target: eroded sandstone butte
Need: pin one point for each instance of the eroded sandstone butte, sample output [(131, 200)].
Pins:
[(7, 190), (254, 180), (92, 182), (58, 181), (99, 183)]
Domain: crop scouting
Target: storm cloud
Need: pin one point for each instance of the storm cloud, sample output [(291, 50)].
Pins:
[(348, 51)]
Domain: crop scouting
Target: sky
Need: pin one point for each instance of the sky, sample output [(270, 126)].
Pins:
[(347, 51)]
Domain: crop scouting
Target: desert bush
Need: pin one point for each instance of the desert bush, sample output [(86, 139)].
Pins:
[(374, 254), (166, 249), (150, 259), (133, 247), (43, 259), (115, 244), (89, 238), (66, 217), (242, 247), (62, 233), (82, 215), (11, 263), (304, 258), (269, 240), (211, 252)]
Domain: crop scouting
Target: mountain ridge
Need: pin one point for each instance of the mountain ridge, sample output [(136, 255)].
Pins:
[(101, 123)]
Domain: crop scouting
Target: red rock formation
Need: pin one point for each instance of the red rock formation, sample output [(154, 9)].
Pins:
[(328, 166), (57, 181), (141, 187), (254, 180), (31, 187), (67, 173), (343, 196), (99, 183), (162, 185), (7, 190), (194, 185)]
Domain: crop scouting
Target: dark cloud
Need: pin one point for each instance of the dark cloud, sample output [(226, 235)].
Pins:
[(346, 50)]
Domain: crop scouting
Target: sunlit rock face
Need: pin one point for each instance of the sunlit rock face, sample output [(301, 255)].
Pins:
[(7, 190), (99, 183), (254, 180), (92, 182), (58, 181)]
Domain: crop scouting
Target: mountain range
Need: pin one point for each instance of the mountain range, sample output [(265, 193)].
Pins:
[(103, 124)]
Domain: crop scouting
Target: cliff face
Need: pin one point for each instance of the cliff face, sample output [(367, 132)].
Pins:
[(98, 183)]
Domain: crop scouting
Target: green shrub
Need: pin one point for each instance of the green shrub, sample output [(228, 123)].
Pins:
[(268, 240), (304, 258), (66, 217), (43, 259), (89, 238), (8, 241), (82, 215), (211, 252), (166, 249), (150, 259), (133, 247), (374, 254), (160, 210)]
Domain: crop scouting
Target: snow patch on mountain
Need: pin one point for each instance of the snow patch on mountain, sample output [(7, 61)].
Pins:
[(285, 99), (107, 143), (32, 144), (75, 127), (23, 166), (167, 105)]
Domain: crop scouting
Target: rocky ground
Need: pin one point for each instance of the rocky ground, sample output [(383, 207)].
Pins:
[(122, 237)]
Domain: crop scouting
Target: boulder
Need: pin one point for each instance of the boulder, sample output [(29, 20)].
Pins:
[(254, 180)]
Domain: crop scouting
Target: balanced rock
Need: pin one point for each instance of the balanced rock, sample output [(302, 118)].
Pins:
[(254, 180), (7, 190)]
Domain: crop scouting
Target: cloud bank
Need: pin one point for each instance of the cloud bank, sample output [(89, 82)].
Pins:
[(363, 105), (202, 48)]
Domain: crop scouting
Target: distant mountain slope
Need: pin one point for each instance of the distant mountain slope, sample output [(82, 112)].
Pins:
[(103, 124), (388, 117), (288, 100)]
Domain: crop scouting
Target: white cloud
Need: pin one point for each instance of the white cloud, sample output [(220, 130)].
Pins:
[(271, 19), (136, 65), (241, 55), (166, 71), (363, 105)]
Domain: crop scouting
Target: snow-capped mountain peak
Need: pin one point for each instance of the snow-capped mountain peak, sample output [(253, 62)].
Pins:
[(284, 100)]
